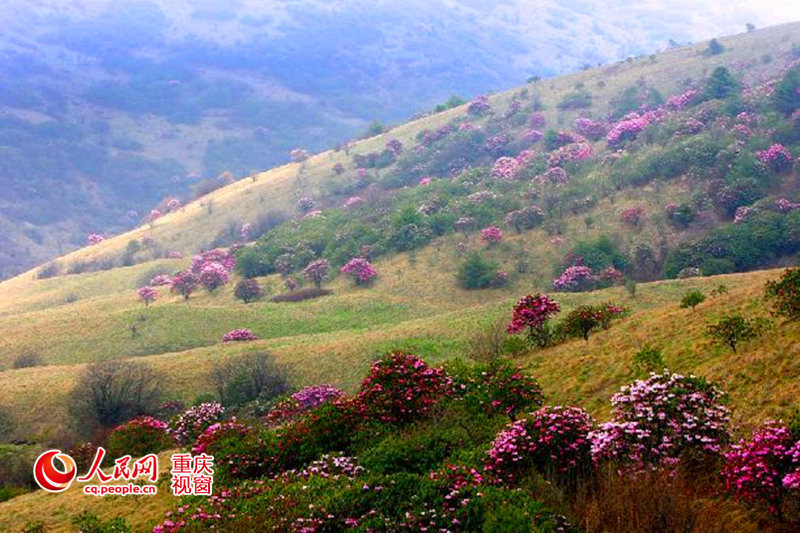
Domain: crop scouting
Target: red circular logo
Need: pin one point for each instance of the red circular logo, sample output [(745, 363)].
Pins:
[(51, 478)]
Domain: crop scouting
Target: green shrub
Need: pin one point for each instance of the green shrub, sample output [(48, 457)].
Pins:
[(692, 299), (714, 48), (88, 522), (648, 360), (247, 377), (732, 330), (721, 84), (785, 293), (575, 100), (787, 95), (140, 436), (300, 295), (476, 272)]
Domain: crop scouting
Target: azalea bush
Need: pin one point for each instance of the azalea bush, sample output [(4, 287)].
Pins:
[(186, 427), (248, 290), (401, 388), (658, 419), (634, 216), (140, 436), (209, 440), (524, 219), (317, 272), (577, 278), (302, 402), (552, 440), (777, 157), (183, 283), (478, 105), (785, 293), (584, 319), (213, 275), (491, 235), (94, 238), (532, 315), (765, 470), (499, 387), (360, 270), (147, 294)]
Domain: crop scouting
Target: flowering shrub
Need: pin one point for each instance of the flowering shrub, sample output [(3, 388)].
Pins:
[(394, 146), (495, 144), (147, 294), (629, 128), (785, 293), (360, 270), (742, 213), (239, 335), (532, 136), (576, 278), (94, 238), (582, 320), (160, 280), (491, 235), (302, 402), (777, 157), (305, 205), (680, 215), (537, 120), (139, 437), (245, 230), (317, 271), (498, 388), (734, 329), (525, 218), (173, 204), (213, 275), (352, 202), (680, 101), (183, 283), (784, 205), (248, 290), (610, 276), (551, 440), (208, 440), (481, 196), (657, 419), (298, 155), (589, 128), (505, 168), (401, 388), (533, 313), (154, 215), (634, 216), (194, 421), (478, 105), (569, 153), (556, 175), (765, 469), (424, 182), (222, 257)]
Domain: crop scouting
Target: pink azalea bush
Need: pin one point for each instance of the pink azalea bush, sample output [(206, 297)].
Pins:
[(766, 468), (213, 275), (147, 294), (576, 278), (537, 120), (742, 213), (220, 256), (94, 238), (244, 231), (630, 126), (777, 157), (495, 143), (555, 175), (491, 235), (784, 205), (572, 152), (505, 168), (589, 128), (478, 105), (360, 270), (401, 388), (173, 204), (394, 146), (186, 427), (634, 216), (681, 101), (656, 420), (138, 437), (551, 440), (532, 136), (183, 283), (154, 215), (525, 218), (298, 155), (532, 314), (317, 271), (301, 402), (161, 280), (238, 335), (424, 182)]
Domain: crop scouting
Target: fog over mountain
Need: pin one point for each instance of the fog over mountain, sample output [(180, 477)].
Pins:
[(108, 107)]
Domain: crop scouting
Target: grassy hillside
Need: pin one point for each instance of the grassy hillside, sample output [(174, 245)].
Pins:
[(70, 320)]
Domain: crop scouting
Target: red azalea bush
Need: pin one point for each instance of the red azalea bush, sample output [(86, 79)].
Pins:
[(491, 235), (302, 402), (585, 318), (765, 469), (208, 441), (140, 436), (657, 420), (360, 270), (634, 216), (551, 440), (239, 335), (401, 388), (533, 313)]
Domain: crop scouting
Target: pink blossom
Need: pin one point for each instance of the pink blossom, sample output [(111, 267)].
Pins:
[(94, 238), (505, 168), (491, 235), (239, 335), (360, 270), (147, 294)]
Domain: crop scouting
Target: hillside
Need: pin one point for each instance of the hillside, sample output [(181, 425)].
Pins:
[(680, 199), (108, 108)]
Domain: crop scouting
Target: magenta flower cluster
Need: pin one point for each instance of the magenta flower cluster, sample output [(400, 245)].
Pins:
[(532, 135), (360, 270), (589, 128), (777, 157), (634, 216), (491, 235), (315, 395), (766, 468), (478, 105), (298, 155), (532, 313), (94, 238), (568, 153), (680, 101), (575, 279), (505, 168), (553, 439), (173, 204), (630, 126), (161, 280), (194, 421), (240, 334), (657, 419), (147, 294)]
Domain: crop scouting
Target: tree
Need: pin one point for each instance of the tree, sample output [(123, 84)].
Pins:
[(787, 92), (714, 47), (247, 377), (147, 294), (112, 392), (582, 320), (732, 330), (360, 270), (476, 272), (317, 271), (692, 299), (248, 290), (183, 283), (721, 84), (785, 293), (533, 313)]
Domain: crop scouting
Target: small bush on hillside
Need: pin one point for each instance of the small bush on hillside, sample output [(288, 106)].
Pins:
[(27, 360), (49, 270), (785, 293), (787, 92), (584, 319), (248, 290), (361, 270), (186, 427), (302, 294), (247, 377), (714, 48), (732, 330), (648, 360), (681, 215), (317, 272), (531, 315), (476, 272), (499, 387), (721, 84), (88, 522), (692, 299), (184, 283), (111, 392), (140, 436), (576, 100)]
